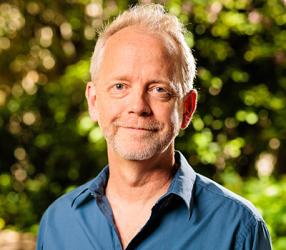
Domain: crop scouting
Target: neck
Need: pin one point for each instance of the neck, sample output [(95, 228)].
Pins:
[(135, 181)]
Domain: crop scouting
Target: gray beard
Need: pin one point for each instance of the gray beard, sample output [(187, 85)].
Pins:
[(155, 146)]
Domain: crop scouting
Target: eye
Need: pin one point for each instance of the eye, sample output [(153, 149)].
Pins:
[(119, 86), (161, 92), (118, 89)]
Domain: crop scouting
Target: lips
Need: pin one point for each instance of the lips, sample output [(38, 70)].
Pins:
[(150, 125), (141, 129)]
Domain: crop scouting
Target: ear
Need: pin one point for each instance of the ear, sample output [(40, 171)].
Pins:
[(90, 95), (190, 105)]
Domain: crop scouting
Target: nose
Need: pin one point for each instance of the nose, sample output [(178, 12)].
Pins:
[(139, 103)]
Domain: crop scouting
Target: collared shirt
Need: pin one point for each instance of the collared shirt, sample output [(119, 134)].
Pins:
[(195, 213)]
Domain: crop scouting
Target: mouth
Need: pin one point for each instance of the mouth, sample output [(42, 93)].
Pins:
[(141, 129)]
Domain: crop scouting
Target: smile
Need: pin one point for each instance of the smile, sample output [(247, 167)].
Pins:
[(141, 129)]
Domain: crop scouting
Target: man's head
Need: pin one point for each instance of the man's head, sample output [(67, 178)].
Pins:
[(136, 94)]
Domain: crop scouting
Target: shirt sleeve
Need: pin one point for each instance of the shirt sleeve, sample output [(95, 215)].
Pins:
[(41, 233), (255, 237)]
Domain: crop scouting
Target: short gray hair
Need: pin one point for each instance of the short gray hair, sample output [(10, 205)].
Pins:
[(153, 18)]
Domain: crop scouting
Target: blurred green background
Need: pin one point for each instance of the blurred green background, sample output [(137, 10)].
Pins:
[(48, 144)]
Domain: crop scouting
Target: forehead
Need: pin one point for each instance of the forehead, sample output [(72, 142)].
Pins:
[(133, 47), (136, 35)]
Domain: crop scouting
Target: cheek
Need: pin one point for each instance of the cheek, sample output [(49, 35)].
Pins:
[(107, 111), (170, 116), (177, 116)]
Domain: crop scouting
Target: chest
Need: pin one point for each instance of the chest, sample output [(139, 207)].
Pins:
[(92, 227), (130, 221)]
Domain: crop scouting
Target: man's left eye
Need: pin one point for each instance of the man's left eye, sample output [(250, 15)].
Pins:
[(161, 90)]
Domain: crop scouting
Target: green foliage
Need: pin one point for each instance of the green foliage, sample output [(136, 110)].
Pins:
[(48, 144)]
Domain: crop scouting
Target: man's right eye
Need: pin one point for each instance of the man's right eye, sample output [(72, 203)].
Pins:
[(118, 89), (119, 86)]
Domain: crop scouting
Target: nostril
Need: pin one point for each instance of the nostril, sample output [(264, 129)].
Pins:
[(145, 113)]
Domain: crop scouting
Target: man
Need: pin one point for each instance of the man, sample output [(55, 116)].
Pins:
[(148, 197)]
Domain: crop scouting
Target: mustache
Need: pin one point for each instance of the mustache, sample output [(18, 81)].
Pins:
[(152, 125)]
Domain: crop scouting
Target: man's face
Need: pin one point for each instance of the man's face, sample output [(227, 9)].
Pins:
[(133, 98)]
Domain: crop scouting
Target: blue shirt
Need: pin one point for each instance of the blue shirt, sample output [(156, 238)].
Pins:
[(195, 213)]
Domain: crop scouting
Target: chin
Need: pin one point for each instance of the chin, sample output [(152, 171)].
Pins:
[(142, 148), (135, 152), (136, 156)]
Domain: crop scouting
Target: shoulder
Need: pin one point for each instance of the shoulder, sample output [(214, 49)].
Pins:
[(214, 195), (61, 208), (60, 212), (238, 216), (59, 218), (70, 196), (64, 203)]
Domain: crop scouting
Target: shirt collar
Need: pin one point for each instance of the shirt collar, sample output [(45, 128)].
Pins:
[(91, 189), (181, 185), (183, 181)]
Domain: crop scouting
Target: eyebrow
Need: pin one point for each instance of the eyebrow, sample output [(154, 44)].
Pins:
[(128, 79), (159, 81)]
